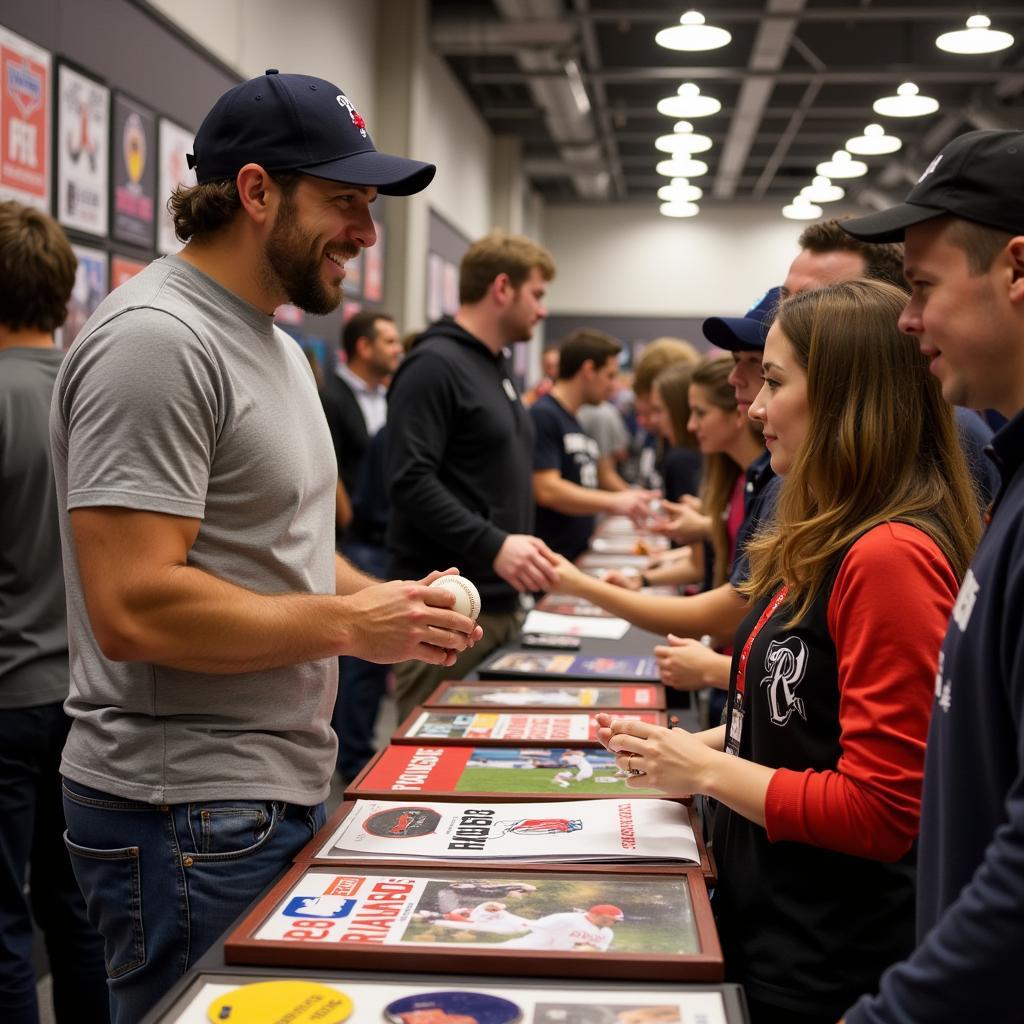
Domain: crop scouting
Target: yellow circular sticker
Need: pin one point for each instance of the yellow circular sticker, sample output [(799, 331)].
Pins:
[(281, 1002)]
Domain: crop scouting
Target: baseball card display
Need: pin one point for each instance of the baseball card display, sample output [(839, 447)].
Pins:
[(571, 922), (585, 831), (535, 773), (514, 694), (508, 728), (405, 999)]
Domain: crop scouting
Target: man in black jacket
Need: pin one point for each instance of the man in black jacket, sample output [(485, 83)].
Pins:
[(355, 404), (459, 449)]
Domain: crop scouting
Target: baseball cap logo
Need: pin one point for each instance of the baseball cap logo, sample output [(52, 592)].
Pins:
[(931, 167), (357, 120)]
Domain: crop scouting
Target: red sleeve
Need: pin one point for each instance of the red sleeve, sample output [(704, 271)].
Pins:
[(887, 617)]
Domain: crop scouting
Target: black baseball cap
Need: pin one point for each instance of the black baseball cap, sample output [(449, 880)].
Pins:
[(744, 333), (978, 177), (298, 123)]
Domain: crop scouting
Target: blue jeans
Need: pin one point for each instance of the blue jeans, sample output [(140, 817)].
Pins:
[(162, 883), (361, 684), (31, 824)]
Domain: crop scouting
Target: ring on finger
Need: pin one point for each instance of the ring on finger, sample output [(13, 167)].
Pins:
[(629, 766)]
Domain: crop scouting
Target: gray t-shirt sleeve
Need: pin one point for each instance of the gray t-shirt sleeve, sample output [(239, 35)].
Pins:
[(142, 404)]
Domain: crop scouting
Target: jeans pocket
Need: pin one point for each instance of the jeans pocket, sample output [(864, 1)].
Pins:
[(110, 882), (225, 829)]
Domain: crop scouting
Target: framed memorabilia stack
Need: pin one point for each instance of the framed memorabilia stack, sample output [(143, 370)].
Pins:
[(514, 693)]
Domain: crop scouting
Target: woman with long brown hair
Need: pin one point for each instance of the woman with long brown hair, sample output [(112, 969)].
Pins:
[(818, 768)]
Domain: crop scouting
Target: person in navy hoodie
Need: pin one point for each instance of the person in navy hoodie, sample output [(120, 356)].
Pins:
[(963, 232)]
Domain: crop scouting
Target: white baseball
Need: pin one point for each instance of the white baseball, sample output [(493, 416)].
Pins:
[(467, 597)]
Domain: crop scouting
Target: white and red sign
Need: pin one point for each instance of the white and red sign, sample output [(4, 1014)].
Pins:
[(25, 110)]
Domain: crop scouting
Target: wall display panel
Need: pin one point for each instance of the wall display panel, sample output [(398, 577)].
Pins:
[(133, 149), (364, 999), (25, 111), (81, 150), (90, 289), (175, 143)]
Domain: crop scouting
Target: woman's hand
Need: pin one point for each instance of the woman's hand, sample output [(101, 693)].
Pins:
[(569, 577), (626, 580), (672, 760), (686, 664)]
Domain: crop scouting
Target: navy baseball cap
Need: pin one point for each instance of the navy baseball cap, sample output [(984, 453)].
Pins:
[(747, 332), (298, 123), (977, 177)]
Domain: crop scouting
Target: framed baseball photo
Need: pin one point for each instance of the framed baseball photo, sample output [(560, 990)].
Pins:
[(330, 997), (535, 773), (508, 728), (587, 921), (525, 664), (513, 693)]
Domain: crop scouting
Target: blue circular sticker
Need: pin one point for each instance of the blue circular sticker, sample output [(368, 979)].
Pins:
[(452, 1008)]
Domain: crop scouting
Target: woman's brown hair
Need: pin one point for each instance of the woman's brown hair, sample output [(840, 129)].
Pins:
[(881, 444)]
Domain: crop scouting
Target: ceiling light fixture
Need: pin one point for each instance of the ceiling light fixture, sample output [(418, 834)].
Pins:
[(842, 165), (688, 102), (906, 103), (682, 168), (692, 34), (683, 140), (680, 190), (801, 209), (677, 209), (874, 142), (978, 37), (821, 190)]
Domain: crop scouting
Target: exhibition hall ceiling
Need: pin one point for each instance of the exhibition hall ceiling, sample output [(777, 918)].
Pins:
[(579, 82)]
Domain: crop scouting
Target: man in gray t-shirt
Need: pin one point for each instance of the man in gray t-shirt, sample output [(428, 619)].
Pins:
[(197, 481), (37, 268)]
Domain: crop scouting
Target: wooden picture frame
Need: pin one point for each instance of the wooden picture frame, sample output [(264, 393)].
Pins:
[(541, 1001), (538, 696), (472, 727), (312, 852), (317, 916)]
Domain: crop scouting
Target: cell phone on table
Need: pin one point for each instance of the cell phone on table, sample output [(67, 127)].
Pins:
[(546, 642)]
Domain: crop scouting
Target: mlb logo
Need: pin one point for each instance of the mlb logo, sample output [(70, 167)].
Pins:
[(323, 908)]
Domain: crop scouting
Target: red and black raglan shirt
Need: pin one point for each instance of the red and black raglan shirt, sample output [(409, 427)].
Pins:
[(813, 906)]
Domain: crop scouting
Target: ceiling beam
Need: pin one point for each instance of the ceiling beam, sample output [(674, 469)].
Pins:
[(834, 76), (953, 14)]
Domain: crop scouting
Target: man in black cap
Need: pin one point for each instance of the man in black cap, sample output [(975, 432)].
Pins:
[(196, 486), (963, 232)]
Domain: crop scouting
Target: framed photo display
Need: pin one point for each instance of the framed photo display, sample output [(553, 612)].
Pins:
[(578, 921), (513, 693), (133, 160), (175, 143), (508, 728), (535, 773), (360, 998), (25, 111), (82, 149), (89, 290), (544, 665)]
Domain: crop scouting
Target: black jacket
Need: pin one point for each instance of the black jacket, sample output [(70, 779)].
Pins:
[(458, 461)]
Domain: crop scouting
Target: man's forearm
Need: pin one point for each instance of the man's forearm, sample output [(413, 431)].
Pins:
[(571, 499)]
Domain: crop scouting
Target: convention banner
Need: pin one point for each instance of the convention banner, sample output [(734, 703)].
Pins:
[(175, 143), (83, 124), (24, 121), (574, 831), (133, 144)]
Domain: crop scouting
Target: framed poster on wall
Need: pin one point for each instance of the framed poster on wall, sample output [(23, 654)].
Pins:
[(81, 150), (25, 110), (175, 143), (123, 268), (133, 161), (89, 290)]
